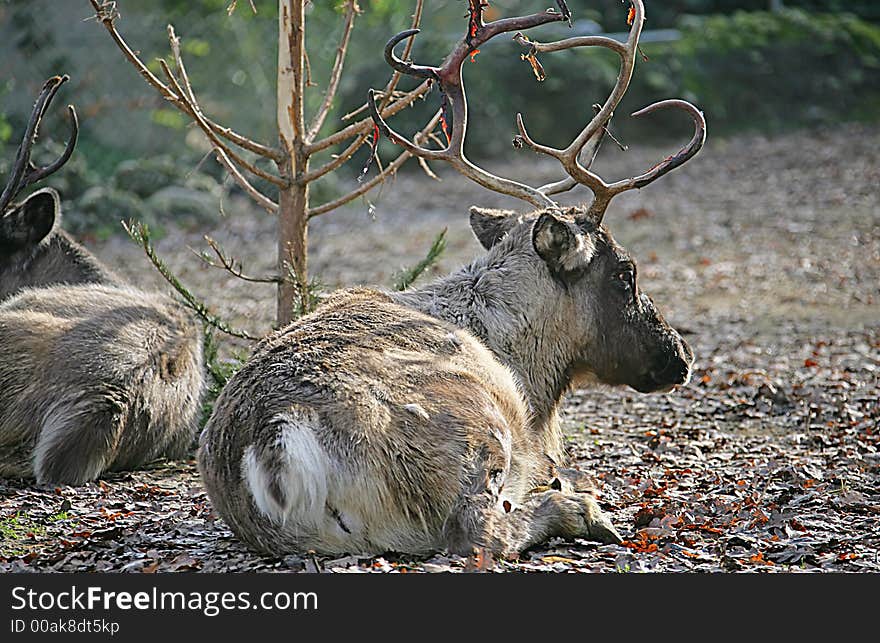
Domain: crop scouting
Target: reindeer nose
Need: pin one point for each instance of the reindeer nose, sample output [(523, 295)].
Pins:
[(672, 367), (676, 371)]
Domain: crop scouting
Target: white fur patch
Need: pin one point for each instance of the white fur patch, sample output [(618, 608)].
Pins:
[(580, 255), (300, 469), (417, 409)]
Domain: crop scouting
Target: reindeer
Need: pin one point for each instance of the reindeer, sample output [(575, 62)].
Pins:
[(95, 375), (428, 419)]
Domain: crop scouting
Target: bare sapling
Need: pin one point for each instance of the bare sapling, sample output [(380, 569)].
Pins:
[(301, 155)]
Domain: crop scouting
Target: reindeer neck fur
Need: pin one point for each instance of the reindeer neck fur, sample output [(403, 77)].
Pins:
[(58, 259), (502, 297)]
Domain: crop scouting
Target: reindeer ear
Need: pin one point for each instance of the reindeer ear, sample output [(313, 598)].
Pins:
[(557, 242), (490, 226), (29, 223)]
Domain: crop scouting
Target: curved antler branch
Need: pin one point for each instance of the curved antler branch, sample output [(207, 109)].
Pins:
[(399, 139), (586, 142), (404, 67), (671, 162), (37, 174), (24, 172)]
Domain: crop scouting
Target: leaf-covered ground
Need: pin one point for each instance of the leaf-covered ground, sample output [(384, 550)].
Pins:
[(765, 253)]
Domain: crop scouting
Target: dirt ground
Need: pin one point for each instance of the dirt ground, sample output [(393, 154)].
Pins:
[(764, 252)]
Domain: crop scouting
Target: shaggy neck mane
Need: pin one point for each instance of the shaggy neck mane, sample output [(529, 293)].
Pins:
[(58, 259), (488, 298)]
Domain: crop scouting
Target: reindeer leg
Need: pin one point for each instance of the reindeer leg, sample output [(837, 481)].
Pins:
[(482, 519), (548, 514)]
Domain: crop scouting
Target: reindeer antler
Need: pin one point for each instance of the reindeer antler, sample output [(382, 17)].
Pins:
[(585, 144), (448, 77), (24, 172)]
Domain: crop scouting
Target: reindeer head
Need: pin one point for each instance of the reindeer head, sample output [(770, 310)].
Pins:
[(583, 292), (24, 226), (583, 283)]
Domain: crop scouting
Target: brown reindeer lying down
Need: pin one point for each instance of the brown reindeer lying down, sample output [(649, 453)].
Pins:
[(95, 375), (428, 420), (425, 420)]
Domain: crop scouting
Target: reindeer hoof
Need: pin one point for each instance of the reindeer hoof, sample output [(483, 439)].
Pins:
[(598, 526)]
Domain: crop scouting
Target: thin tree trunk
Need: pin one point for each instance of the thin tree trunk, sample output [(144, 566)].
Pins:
[(293, 233), (293, 200)]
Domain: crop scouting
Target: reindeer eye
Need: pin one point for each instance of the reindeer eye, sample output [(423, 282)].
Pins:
[(625, 279)]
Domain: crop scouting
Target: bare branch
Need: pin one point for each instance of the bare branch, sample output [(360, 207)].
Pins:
[(222, 153), (106, 14), (261, 199), (187, 95), (396, 95), (174, 42), (336, 73), (230, 264), (140, 234), (379, 178), (223, 158), (366, 125), (338, 161), (427, 168), (389, 94), (231, 8)]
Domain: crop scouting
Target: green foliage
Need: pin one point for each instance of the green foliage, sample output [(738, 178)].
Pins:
[(315, 290), (168, 117), (5, 129), (196, 47), (19, 528), (406, 277), (773, 71)]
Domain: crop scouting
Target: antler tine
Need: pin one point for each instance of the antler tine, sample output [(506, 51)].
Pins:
[(448, 77), (569, 157), (38, 174), (403, 66), (605, 192), (676, 160), (24, 172), (587, 154)]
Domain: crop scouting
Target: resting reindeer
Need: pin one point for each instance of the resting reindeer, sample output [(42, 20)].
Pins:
[(428, 419), (95, 375)]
